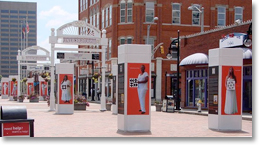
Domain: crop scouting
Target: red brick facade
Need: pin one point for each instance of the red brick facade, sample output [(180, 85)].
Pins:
[(163, 30)]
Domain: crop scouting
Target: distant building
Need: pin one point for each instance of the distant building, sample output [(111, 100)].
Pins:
[(12, 20), (126, 22)]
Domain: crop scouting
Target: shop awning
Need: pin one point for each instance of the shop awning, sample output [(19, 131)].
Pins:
[(247, 53), (197, 58)]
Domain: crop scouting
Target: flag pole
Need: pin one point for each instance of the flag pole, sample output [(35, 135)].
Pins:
[(26, 31)]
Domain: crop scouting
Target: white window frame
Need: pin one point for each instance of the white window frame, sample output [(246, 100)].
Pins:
[(173, 11), (130, 11), (98, 19), (94, 17), (151, 42), (107, 17), (103, 18), (109, 48), (122, 43), (129, 38), (110, 15), (91, 18), (122, 10), (148, 8), (222, 13), (238, 14), (196, 18)]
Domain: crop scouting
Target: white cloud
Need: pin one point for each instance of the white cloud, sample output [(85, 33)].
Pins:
[(57, 16)]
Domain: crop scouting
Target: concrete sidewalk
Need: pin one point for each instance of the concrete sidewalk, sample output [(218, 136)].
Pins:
[(93, 123)]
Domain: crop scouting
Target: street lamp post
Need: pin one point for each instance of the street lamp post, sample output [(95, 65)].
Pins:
[(201, 11), (148, 29), (175, 46)]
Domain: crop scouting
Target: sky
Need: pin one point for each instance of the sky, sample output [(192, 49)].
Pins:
[(52, 14)]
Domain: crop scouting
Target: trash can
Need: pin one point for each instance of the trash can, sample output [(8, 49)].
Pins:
[(14, 122)]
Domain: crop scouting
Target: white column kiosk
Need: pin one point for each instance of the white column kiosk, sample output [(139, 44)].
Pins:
[(130, 60), (65, 88), (5, 88), (225, 89), (13, 90), (30, 86)]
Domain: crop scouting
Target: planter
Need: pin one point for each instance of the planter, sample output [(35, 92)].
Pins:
[(34, 100), (158, 107), (108, 106), (80, 106), (15, 98), (20, 99)]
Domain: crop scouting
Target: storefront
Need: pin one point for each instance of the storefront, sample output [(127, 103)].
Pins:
[(194, 64)]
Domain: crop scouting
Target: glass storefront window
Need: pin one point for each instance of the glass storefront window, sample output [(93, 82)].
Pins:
[(196, 87)]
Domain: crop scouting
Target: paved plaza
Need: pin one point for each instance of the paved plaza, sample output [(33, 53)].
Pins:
[(93, 123)]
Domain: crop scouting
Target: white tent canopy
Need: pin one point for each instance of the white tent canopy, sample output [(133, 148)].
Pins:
[(197, 58), (247, 53)]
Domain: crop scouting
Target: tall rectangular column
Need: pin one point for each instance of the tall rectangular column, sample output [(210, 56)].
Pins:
[(65, 88), (225, 89), (134, 98)]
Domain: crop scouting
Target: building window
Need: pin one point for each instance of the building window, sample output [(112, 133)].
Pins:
[(196, 87), (110, 15), (110, 48), (238, 13), (196, 16), (129, 11), (98, 19), (129, 40), (122, 12), (149, 11), (176, 13), (122, 41), (151, 42), (94, 17), (91, 18), (103, 18), (107, 17), (221, 16)]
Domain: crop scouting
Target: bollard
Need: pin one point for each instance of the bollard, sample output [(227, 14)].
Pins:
[(199, 105)]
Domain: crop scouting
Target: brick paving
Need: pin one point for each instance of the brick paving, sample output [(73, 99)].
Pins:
[(93, 123)]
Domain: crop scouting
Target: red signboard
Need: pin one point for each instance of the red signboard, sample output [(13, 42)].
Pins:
[(66, 89), (138, 96), (231, 90), (16, 129)]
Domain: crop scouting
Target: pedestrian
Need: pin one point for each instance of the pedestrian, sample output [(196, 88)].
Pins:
[(142, 88), (98, 93)]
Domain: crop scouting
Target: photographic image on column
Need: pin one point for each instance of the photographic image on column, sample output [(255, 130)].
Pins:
[(66, 89), (231, 90), (138, 89)]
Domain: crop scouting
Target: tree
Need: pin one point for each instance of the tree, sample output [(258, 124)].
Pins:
[(1, 78)]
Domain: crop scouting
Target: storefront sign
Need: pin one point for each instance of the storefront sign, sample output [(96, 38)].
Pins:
[(231, 90), (81, 40), (35, 58), (232, 40), (16, 129), (35, 68)]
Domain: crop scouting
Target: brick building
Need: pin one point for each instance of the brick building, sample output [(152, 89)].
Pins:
[(194, 70), (127, 21)]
